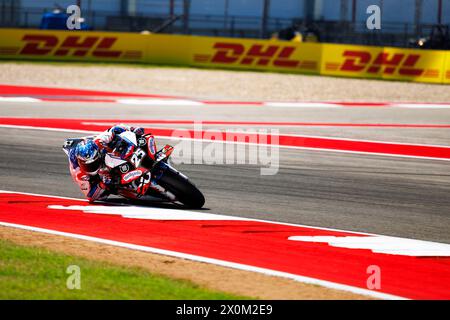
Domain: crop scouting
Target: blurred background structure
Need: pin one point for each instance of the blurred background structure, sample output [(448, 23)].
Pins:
[(335, 21)]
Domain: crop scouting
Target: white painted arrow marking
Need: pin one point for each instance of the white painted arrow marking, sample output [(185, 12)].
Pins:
[(383, 244)]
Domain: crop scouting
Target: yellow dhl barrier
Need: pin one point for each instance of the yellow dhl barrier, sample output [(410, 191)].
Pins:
[(311, 58), (446, 70), (66, 45), (384, 63)]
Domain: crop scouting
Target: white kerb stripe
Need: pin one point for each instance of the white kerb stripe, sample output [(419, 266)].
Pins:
[(149, 213), (19, 99), (383, 244)]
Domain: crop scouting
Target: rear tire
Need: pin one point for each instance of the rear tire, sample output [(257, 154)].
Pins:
[(184, 190)]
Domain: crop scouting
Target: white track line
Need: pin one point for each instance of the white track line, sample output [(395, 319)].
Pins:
[(302, 105), (252, 144), (160, 102), (232, 132)]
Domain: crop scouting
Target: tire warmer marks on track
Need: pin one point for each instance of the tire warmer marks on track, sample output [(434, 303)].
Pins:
[(290, 141), (247, 242)]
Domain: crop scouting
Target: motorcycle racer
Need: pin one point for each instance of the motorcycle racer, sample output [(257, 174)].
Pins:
[(86, 161), (85, 166), (102, 165), (109, 140)]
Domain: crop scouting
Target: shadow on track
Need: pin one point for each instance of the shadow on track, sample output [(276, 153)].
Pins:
[(154, 203)]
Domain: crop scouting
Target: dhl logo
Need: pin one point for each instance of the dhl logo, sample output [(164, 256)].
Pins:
[(362, 61), (257, 54), (77, 46)]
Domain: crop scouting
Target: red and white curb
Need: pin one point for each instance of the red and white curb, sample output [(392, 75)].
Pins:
[(328, 257), (26, 94), (197, 103), (302, 142), (272, 124)]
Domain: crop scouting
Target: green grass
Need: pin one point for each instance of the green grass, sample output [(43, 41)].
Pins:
[(36, 273)]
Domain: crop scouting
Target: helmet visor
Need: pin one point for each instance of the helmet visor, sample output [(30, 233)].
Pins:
[(90, 166)]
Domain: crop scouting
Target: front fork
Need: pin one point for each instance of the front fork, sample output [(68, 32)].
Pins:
[(159, 166), (155, 186)]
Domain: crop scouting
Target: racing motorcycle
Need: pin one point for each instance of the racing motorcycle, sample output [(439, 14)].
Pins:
[(145, 173)]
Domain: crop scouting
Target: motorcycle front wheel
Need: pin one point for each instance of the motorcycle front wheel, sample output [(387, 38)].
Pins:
[(184, 190)]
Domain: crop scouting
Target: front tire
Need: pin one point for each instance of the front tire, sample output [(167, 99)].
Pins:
[(184, 190)]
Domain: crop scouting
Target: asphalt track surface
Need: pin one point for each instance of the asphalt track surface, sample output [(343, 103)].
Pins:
[(394, 196)]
